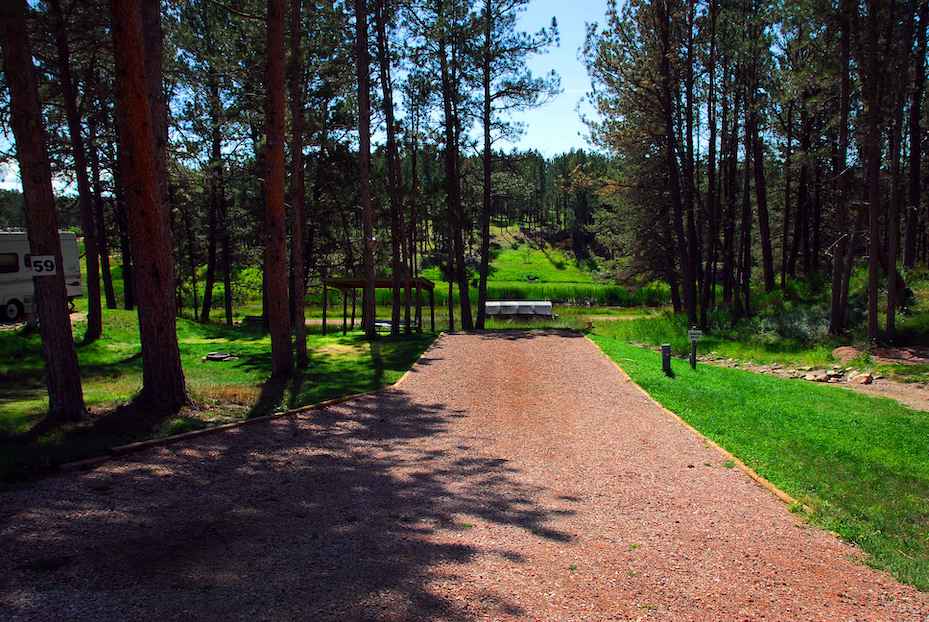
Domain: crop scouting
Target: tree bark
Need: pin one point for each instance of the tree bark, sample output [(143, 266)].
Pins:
[(712, 234), (916, 98), (363, 70), (275, 253), (788, 178), (896, 139), (63, 377), (687, 268), (872, 150), (839, 276), (162, 377), (394, 182), (452, 182), (154, 84), (215, 191), (487, 166), (297, 182), (689, 181), (96, 183), (85, 199), (745, 238), (761, 200)]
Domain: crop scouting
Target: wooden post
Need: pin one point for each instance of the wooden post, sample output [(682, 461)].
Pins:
[(325, 302), (354, 305), (344, 293), (419, 309), (364, 308), (432, 308)]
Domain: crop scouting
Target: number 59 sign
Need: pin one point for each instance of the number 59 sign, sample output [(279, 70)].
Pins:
[(44, 265)]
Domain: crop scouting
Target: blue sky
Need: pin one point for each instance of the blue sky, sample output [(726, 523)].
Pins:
[(556, 126)]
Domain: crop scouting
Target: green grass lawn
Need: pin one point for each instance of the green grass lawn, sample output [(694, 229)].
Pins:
[(111, 370), (659, 328), (861, 464)]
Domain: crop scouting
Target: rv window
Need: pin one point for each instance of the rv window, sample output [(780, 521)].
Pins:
[(9, 262)]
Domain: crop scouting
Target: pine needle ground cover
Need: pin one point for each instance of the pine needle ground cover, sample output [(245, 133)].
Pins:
[(860, 464)]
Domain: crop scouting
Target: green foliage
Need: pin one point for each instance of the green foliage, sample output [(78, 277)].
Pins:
[(744, 342), (861, 464)]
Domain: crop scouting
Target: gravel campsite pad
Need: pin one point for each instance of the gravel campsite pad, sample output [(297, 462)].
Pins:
[(510, 476)]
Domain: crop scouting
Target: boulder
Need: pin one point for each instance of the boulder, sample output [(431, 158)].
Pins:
[(817, 376), (864, 378)]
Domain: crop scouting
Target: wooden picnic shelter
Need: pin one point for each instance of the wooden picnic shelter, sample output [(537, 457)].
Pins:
[(352, 284)]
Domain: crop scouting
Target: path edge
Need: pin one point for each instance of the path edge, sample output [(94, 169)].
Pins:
[(123, 450), (784, 497)]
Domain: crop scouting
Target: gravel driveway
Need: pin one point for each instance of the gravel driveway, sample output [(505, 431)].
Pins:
[(511, 476)]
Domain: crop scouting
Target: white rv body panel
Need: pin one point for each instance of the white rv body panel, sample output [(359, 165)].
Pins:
[(16, 285)]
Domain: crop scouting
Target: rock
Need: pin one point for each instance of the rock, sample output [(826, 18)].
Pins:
[(862, 379), (817, 376), (805, 369)]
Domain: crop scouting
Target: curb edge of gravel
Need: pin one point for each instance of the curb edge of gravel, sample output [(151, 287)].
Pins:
[(123, 450), (758, 479)]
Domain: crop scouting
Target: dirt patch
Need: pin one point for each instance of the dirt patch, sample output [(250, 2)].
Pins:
[(884, 356), (230, 394), (339, 349)]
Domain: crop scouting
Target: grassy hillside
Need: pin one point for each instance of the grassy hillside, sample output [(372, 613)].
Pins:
[(524, 270)]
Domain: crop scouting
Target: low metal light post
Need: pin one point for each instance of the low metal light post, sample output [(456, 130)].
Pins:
[(666, 359)]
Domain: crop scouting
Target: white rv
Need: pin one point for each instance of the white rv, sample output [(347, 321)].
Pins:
[(16, 289)]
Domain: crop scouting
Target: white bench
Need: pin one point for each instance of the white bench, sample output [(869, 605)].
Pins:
[(527, 308)]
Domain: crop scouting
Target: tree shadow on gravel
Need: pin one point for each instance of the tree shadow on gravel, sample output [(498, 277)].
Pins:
[(349, 513)]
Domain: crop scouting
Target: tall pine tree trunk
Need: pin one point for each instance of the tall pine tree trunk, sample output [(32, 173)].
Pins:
[(162, 377), (839, 276), (677, 204), (362, 71), (916, 98), (788, 178), (712, 234), (452, 183), (63, 378), (85, 198), (487, 165), (96, 183), (394, 182), (275, 253), (896, 138), (216, 191), (297, 183), (872, 152)]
